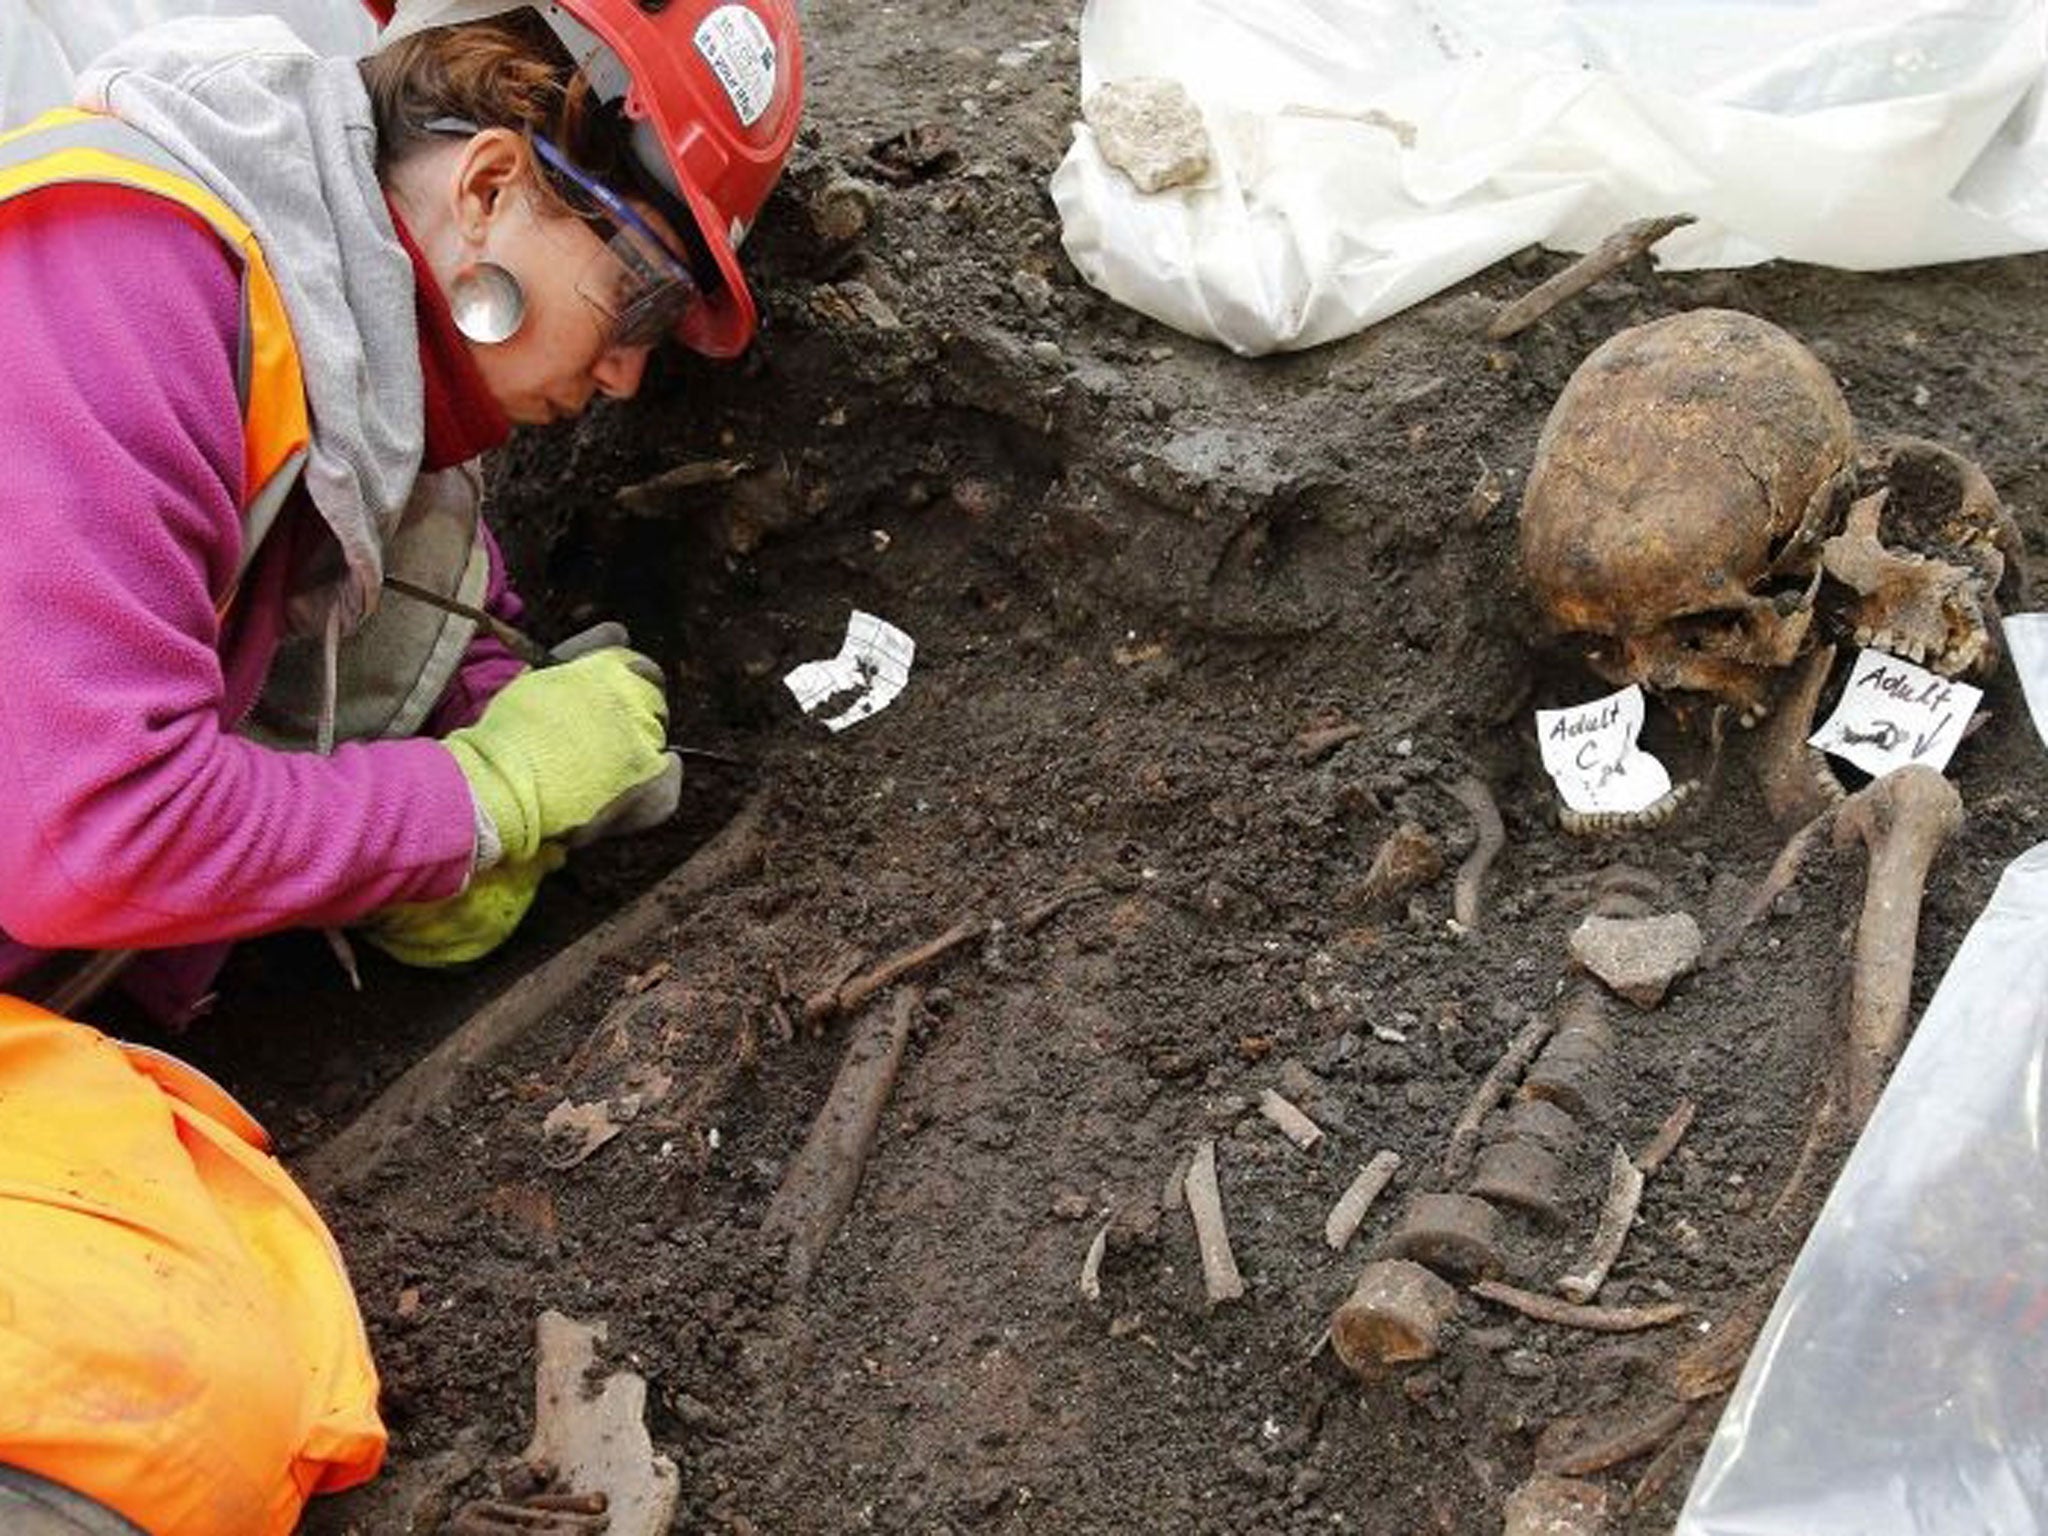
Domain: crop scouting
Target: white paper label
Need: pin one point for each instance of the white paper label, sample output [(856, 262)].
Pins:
[(739, 50), (1591, 752), (1894, 713), (872, 667)]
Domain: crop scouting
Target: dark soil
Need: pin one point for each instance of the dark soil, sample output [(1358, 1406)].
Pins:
[(1137, 569)]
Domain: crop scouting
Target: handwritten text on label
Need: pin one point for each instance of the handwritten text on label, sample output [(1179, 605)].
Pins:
[(1893, 713), (1591, 751)]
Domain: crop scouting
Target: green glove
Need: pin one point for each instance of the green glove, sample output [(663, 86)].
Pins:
[(558, 746), (466, 926)]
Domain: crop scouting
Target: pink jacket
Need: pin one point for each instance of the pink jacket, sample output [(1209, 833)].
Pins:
[(131, 815)]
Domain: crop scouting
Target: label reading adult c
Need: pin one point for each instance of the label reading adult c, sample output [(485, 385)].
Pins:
[(739, 50), (1591, 752)]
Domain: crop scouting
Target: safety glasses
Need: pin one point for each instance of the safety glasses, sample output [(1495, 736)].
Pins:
[(637, 284), (640, 286)]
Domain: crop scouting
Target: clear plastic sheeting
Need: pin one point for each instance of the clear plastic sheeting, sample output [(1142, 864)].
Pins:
[(1900, 1384), (1368, 153), (44, 43)]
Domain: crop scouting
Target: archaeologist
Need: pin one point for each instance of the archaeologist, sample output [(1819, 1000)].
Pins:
[(263, 312)]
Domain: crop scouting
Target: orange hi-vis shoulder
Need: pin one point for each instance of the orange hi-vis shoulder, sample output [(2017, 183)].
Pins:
[(178, 1338), (68, 147)]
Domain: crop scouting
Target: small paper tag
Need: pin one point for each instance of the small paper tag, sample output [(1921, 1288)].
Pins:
[(1894, 713), (1591, 751), (872, 667)]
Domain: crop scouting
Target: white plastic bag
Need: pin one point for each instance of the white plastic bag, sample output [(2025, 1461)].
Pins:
[(1852, 133), (44, 43), (1900, 1385)]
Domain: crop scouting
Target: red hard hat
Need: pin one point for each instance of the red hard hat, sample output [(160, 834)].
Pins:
[(713, 88)]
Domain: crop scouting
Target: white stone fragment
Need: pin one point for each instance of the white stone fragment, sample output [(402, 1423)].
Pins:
[(1639, 957), (1151, 130)]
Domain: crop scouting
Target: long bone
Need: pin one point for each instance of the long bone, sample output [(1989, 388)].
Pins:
[(1903, 819)]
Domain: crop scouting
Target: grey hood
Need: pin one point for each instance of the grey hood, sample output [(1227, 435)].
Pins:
[(285, 138)]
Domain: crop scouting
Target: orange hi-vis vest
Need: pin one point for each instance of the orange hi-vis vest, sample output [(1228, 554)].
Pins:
[(178, 1338), (67, 147)]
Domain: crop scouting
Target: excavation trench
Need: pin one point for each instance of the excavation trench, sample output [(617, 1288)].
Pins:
[(1195, 637)]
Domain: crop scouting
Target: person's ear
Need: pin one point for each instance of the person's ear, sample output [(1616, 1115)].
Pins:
[(489, 170)]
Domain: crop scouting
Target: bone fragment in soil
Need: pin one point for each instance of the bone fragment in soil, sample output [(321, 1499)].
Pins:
[(1091, 1266), (1220, 1278), (1610, 255), (663, 493), (1572, 1068), (1345, 1217), (542, 1514), (1709, 1365), (1677, 1453), (98, 971), (1617, 1215), (1524, 1175), (1668, 1136), (1394, 1315), (1407, 860), (1571, 1314), (1499, 1079), (825, 1005), (351, 1155), (1320, 741), (1457, 1235), (1940, 488), (1633, 1433), (1542, 1123), (1797, 783), (818, 1190), (1473, 794), (1293, 1124), (1039, 913), (1549, 1505)]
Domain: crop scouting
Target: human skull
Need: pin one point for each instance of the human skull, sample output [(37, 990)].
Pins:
[(1924, 557), (1681, 490)]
